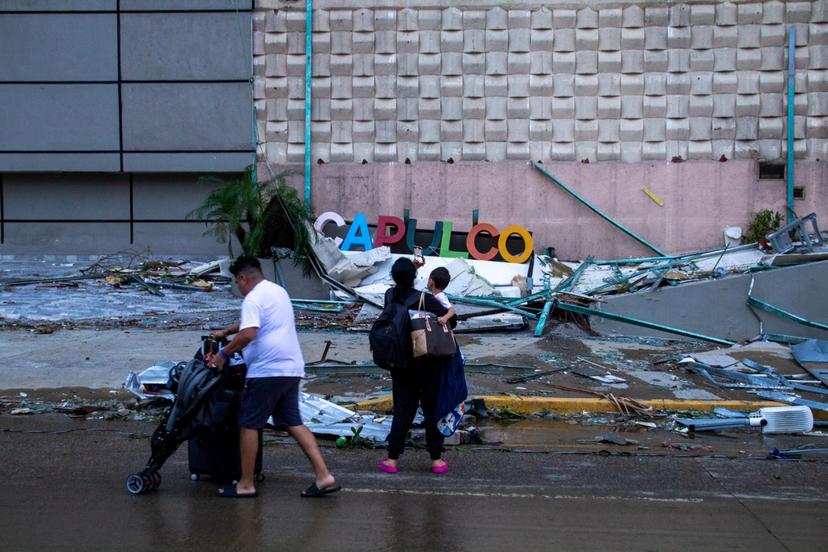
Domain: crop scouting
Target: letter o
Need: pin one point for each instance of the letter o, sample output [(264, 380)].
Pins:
[(528, 244)]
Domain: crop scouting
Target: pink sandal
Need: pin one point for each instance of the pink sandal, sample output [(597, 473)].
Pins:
[(440, 469), (387, 468)]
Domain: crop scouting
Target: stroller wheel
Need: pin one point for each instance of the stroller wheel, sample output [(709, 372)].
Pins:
[(135, 484), (194, 477), (156, 480)]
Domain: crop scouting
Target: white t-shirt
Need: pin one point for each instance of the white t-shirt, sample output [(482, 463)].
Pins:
[(275, 350), (442, 299)]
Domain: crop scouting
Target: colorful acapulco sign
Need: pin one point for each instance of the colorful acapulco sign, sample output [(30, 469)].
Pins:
[(393, 230)]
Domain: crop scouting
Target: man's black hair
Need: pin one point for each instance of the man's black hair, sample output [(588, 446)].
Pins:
[(441, 277), (245, 263)]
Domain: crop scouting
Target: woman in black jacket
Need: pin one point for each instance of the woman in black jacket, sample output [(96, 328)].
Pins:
[(417, 383)]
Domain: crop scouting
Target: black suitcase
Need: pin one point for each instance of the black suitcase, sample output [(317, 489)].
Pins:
[(217, 456), (214, 451)]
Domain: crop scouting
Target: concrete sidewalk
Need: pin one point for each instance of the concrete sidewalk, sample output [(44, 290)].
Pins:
[(100, 359)]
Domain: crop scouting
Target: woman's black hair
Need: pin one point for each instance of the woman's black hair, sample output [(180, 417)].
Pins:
[(403, 272)]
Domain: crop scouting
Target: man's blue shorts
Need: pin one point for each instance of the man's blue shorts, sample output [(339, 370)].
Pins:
[(263, 397)]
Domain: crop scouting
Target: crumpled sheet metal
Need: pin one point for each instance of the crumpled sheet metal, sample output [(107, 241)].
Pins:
[(158, 375), (813, 350), (323, 417), (349, 269), (315, 409)]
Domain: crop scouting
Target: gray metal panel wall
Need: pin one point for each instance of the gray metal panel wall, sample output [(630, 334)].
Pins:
[(101, 213), (161, 46), (192, 116), (137, 76), (185, 5), (57, 5), (59, 117), (58, 47)]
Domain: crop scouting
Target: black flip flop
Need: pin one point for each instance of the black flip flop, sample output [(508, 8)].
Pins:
[(315, 492), (230, 491)]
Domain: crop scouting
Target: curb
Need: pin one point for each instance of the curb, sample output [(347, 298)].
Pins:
[(569, 405)]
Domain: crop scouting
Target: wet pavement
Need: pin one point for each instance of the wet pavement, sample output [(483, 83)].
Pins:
[(62, 489), (544, 482), (94, 302)]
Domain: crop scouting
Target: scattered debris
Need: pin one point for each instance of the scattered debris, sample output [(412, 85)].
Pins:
[(613, 438), (652, 196), (154, 382), (780, 419), (799, 452), (687, 447)]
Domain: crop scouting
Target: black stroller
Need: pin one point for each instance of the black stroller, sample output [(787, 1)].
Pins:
[(205, 409)]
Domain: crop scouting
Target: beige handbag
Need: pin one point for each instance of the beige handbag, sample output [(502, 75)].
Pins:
[(429, 337)]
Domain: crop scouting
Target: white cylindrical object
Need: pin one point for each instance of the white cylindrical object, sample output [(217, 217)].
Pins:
[(787, 419)]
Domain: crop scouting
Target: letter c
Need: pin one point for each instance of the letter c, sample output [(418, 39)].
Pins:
[(325, 218), (471, 247)]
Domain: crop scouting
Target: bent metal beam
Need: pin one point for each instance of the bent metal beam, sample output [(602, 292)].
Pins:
[(603, 215)]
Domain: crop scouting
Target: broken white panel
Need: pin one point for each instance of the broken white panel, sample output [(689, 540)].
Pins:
[(501, 321), (327, 251), (352, 269), (377, 431), (374, 292), (315, 409), (732, 236), (732, 261), (465, 281), (220, 266), (492, 273)]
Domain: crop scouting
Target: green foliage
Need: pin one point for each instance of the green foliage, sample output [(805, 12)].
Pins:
[(356, 440), (507, 413), (764, 222), (260, 215)]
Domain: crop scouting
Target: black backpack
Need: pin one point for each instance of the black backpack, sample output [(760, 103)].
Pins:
[(390, 336)]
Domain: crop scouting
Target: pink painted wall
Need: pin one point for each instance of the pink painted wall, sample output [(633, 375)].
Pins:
[(700, 199)]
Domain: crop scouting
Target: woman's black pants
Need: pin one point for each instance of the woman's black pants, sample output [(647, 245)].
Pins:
[(416, 384)]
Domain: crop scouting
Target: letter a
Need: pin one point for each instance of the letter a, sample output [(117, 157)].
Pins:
[(358, 234)]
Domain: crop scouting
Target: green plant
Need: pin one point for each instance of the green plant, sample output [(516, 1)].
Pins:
[(764, 222), (356, 440), (260, 215)]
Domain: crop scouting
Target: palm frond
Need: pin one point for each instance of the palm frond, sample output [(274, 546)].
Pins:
[(260, 214)]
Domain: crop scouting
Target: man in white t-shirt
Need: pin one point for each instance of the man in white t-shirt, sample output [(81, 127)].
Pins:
[(267, 338)]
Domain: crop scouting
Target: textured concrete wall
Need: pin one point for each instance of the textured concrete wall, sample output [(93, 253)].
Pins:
[(544, 80)]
